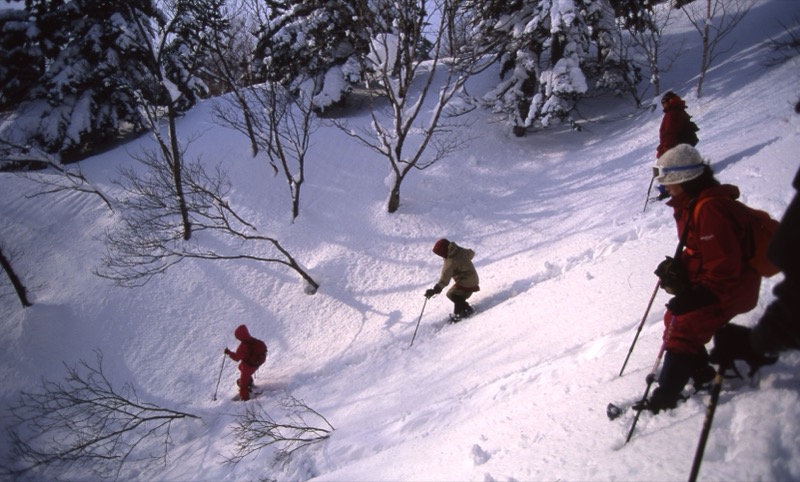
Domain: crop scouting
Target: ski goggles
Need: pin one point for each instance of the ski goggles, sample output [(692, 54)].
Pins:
[(660, 171)]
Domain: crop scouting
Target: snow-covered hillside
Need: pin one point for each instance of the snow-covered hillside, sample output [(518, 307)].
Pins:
[(515, 393)]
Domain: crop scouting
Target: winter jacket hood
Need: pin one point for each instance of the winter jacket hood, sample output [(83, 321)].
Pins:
[(242, 333)]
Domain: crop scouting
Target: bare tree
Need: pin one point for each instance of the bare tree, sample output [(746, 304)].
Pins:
[(67, 178), (408, 133), (278, 123), (714, 20), (84, 427), (172, 152), (149, 239), (230, 68), (458, 21), (787, 47), (172, 46), (255, 429), (649, 41), (19, 287)]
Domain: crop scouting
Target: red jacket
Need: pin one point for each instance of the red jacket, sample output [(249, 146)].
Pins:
[(243, 350), (713, 257), (674, 126)]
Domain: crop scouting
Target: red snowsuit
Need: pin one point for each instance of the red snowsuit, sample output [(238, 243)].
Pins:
[(241, 354), (674, 126), (712, 257)]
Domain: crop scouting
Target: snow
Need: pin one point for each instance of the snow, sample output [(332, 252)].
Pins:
[(515, 393)]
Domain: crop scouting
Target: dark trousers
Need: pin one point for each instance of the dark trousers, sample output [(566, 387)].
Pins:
[(676, 371), (459, 299)]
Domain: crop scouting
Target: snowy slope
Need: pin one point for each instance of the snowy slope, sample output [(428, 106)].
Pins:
[(518, 392)]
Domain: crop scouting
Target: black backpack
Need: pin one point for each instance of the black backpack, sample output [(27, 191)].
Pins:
[(256, 352), (690, 134)]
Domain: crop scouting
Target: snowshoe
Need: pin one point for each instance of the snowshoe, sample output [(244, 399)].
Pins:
[(465, 313), (253, 394)]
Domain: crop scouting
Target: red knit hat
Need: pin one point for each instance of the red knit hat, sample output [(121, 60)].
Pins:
[(440, 247)]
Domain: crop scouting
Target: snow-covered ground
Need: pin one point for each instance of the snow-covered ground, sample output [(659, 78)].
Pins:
[(517, 392)]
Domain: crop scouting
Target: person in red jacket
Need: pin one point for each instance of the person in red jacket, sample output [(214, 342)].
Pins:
[(710, 282), (249, 354), (676, 125), (676, 128)]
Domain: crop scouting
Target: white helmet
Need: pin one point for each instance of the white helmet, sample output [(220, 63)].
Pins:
[(680, 164)]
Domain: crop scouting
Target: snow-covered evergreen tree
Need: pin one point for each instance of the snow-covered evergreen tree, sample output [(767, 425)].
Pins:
[(553, 52), (196, 25), (313, 45), (102, 59), (21, 63), (613, 67), (92, 57)]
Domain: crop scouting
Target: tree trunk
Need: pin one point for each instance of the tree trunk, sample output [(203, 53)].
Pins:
[(175, 154), (706, 47), (295, 189), (18, 286), (394, 196)]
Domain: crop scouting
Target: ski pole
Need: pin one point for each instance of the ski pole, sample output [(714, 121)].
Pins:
[(712, 407), (678, 251), (641, 324), (651, 377), (420, 319), (647, 199), (220, 376)]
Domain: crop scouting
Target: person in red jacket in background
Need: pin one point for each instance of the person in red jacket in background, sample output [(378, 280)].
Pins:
[(710, 281), (676, 128), (250, 354), (676, 125)]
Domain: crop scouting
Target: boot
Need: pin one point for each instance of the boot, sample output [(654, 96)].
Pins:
[(468, 310), (703, 377), (675, 373)]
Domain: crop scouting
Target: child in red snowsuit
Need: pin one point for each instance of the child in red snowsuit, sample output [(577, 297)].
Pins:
[(244, 355)]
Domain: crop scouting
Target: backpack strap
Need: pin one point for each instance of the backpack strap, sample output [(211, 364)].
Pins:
[(685, 233), (700, 202), (735, 216)]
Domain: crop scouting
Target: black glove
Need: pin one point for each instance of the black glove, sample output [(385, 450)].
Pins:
[(690, 300), (433, 291), (672, 276), (227, 352)]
